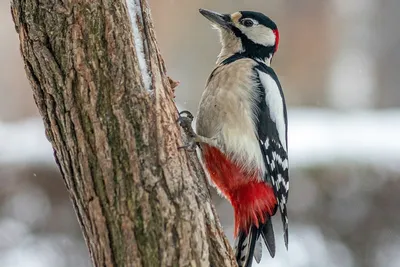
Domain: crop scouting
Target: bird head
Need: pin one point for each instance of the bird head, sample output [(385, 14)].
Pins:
[(250, 33)]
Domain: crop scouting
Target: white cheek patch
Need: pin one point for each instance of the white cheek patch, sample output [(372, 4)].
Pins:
[(259, 34)]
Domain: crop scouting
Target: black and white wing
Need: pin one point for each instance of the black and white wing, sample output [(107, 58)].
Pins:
[(272, 133)]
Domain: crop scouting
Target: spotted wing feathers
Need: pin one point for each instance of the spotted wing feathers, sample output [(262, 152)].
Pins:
[(278, 169)]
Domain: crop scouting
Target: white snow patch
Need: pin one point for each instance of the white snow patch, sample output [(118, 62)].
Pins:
[(135, 11), (318, 136), (25, 143)]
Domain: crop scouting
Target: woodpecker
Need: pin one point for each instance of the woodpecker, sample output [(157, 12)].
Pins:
[(242, 130)]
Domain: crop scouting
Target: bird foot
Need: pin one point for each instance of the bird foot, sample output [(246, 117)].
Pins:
[(185, 121)]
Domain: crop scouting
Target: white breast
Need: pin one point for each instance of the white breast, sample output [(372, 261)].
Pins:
[(239, 132), (226, 113)]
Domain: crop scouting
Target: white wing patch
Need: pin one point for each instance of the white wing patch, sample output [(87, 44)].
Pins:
[(275, 103)]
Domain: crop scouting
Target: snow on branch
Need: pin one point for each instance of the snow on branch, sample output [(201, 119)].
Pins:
[(135, 13)]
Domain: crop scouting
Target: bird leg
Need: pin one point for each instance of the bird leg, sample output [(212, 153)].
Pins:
[(185, 121)]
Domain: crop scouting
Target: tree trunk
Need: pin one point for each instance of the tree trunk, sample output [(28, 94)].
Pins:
[(100, 85)]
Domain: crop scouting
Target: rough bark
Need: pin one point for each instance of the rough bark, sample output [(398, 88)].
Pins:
[(140, 201)]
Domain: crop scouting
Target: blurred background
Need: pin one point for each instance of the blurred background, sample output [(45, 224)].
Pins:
[(339, 65)]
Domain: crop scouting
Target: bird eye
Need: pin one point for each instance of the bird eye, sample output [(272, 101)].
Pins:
[(247, 22)]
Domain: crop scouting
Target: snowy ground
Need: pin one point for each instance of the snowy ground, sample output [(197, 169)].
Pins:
[(316, 136), (325, 137)]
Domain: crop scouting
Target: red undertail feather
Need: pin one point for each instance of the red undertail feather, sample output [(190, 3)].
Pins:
[(251, 198)]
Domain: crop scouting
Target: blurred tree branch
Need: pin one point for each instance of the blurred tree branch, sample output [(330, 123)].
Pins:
[(107, 107)]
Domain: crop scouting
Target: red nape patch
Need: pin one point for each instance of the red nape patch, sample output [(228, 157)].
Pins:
[(276, 32), (250, 198)]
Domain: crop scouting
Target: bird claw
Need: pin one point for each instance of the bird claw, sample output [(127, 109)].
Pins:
[(186, 123), (191, 146), (189, 116)]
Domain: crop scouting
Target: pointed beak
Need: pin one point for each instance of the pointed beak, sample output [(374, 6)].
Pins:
[(222, 20)]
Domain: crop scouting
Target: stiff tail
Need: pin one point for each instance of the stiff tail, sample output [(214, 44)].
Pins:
[(249, 245), (267, 232)]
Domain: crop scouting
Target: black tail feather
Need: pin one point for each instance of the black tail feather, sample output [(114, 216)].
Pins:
[(286, 237), (245, 243), (267, 232), (245, 247), (258, 249)]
